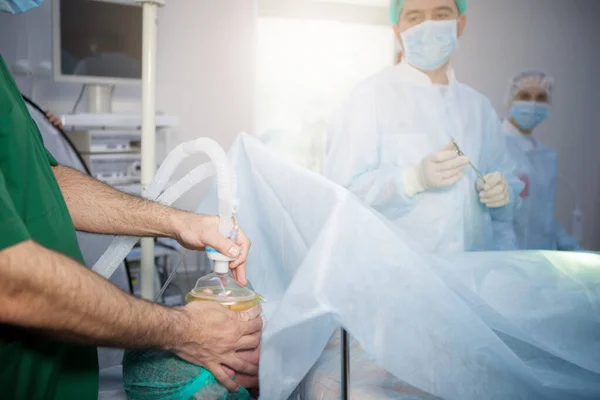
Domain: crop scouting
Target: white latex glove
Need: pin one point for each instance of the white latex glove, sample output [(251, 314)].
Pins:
[(495, 192), (443, 168)]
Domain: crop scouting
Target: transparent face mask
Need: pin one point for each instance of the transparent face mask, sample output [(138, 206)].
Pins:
[(225, 290)]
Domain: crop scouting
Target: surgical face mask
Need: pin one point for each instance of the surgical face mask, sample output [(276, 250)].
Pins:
[(18, 6), (529, 114), (430, 44)]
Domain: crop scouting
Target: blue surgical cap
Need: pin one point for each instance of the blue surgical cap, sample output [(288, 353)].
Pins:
[(396, 8)]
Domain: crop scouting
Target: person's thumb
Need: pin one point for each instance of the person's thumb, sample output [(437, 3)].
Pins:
[(224, 246), (250, 314), (480, 185)]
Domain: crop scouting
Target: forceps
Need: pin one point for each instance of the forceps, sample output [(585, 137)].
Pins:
[(460, 153)]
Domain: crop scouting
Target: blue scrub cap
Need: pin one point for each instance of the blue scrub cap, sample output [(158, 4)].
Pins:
[(396, 8), (18, 6)]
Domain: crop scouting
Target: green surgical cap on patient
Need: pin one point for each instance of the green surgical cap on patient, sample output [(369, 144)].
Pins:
[(396, 9)]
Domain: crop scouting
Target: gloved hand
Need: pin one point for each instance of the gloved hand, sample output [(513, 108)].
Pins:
[(443, 168), (495, 192)]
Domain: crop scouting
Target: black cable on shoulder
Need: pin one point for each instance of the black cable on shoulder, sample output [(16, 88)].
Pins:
[(63, 135)]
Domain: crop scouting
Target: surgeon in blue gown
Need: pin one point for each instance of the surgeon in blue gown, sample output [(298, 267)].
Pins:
[(535, 226)]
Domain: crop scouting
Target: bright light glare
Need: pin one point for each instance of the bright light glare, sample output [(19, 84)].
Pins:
[(583, 268), (305, 70), (576, 263)]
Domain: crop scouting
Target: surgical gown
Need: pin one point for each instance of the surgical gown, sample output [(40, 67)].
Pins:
[(535, 225), (397, 118)]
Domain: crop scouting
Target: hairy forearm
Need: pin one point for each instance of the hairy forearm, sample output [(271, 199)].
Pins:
[(44, 290), (98, 208)]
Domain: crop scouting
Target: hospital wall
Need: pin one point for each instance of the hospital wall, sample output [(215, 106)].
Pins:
[(205, 70), (205, 74)]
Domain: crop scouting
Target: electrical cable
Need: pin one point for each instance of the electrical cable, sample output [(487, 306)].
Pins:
[(128, 271), (78, 99), (62, 134)]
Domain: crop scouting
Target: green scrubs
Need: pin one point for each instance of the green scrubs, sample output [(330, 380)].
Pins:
[(32, 208)]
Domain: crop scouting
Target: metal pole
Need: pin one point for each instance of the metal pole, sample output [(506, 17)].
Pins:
[(148, 161), (345, 365)]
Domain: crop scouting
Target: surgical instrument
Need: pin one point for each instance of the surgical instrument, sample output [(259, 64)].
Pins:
[(460, 153)]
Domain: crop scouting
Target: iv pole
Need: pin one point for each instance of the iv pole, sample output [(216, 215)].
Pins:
[(345, 365), (148, 161)]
